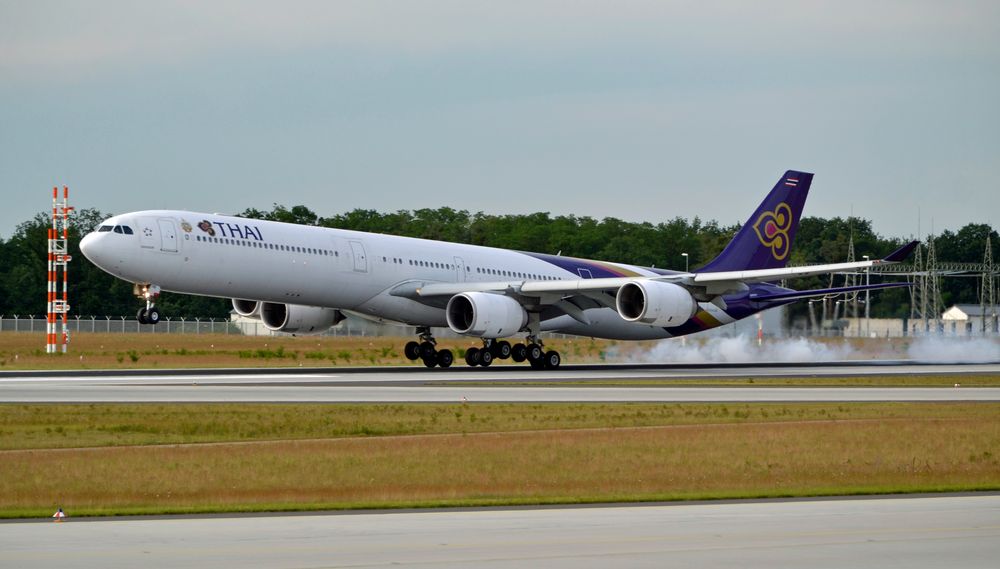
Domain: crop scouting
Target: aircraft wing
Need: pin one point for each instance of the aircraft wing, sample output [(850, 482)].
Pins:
[(572, 296), (727, 280), (563, 287), (767, 275)]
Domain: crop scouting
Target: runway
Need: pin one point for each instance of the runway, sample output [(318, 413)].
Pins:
[(474, 385), (911, 532)]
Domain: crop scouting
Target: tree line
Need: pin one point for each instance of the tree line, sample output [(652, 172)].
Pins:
[(819, 240)]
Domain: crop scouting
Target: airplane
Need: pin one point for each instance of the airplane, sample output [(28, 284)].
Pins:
[(304, 279)]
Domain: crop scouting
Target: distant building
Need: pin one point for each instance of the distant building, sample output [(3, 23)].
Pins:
[(874, 327), (967, 319)]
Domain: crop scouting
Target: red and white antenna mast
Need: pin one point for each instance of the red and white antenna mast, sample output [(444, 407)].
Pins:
[(58, 308)]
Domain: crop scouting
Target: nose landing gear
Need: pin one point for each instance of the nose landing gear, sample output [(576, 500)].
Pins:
[(149, 314)]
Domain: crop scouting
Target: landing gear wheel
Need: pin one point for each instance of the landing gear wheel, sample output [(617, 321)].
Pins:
[(141, 316), (412, 351), (445, 358), (485, 358), (536, 357), (503, 349), (427, 350), (472, 356), (518, 352), (153, 315), (552, 359), (534, 352), (430, 362)]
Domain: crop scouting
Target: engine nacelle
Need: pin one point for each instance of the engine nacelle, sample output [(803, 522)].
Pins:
[(247, 308), (485, 315), (656, 303), (298, 319)]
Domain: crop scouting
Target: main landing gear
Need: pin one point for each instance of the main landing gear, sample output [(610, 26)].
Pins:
[(425, 350), (533, 352), (149, 314)]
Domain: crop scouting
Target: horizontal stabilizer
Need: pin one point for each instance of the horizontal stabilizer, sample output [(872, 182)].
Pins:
[(797, 294)]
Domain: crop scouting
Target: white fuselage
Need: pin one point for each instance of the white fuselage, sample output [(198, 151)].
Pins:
[(231, 257)]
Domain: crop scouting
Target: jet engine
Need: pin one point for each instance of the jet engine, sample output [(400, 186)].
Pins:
[(247, 308), (656, 303), (298, 319), (485, 315)]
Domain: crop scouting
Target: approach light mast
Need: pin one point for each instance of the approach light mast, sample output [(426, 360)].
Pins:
[(57, 308)]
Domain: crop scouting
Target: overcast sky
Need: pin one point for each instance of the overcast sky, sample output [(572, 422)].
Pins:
[(638, 110)]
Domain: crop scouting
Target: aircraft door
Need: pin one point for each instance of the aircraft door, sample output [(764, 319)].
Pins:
[(360, 259), (459, 269), (168, 235), (147, 232)]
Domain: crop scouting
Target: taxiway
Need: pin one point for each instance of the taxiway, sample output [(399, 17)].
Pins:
[(910, 532)]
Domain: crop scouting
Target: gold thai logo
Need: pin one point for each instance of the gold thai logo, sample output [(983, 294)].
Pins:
[(772, 230)]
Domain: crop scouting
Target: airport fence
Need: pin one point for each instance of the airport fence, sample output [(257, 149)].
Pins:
[(121, 325), (352, 327)]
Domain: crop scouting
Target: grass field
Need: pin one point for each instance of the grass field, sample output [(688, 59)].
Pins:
[(276, 457), (151, 351)]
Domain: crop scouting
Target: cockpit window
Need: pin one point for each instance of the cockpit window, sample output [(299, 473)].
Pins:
[(104, 228), (127, 230), (118, 229)]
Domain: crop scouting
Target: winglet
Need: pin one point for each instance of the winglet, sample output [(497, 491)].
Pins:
[(903, 252)]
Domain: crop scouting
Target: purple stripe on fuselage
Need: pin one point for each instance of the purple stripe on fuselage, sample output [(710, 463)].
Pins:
[(580, 267), (593, 269)]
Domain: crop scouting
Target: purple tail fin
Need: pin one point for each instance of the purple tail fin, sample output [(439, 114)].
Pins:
[(765, 240)]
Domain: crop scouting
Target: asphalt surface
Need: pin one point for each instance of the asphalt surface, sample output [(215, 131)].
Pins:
[(474, 385), (911, 533)]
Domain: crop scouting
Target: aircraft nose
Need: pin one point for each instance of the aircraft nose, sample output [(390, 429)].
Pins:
[(87, 246), (92, 249)]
